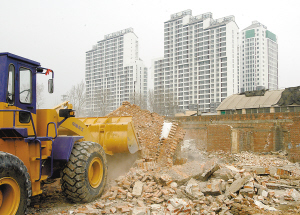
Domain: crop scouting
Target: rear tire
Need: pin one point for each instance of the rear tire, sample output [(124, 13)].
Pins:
[(15, 185), (85, 174)]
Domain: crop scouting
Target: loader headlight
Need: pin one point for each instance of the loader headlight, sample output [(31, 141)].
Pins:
[(66, 113)]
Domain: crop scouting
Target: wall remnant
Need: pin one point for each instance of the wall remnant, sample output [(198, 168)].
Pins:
[(261, 132)]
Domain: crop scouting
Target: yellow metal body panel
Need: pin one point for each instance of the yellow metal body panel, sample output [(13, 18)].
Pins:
[(44, 116), (19, 147), (7, 118), (114, 134), (73, 126)]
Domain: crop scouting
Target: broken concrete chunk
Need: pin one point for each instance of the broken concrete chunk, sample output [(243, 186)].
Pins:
[(277, 186), (237, 176), (237, 185), (173, 185), (155, 207), (140, 211), (192, 181), (106, 195), (259, 170), (230, 181), (249, 185), (123, 208), (192, 189), (140, 203), (220, 199), (137, 188), (209, 168), (263, 206), (247, 192), (223, 173), (113, 210), (164, 178), (264, 193), (273, 170), (176, 205), (114, 195), (238, 199), (292, 195), (179, 174), (232, 168), (213, 188)]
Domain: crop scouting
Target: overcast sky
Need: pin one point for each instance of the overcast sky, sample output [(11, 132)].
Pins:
[(57, 33)]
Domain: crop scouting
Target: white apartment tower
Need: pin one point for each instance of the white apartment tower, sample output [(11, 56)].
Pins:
[(114, 73), (259, 58), (200, 64)]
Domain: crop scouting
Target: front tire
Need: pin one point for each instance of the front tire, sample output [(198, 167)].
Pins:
[(85, 174), (15, 185)]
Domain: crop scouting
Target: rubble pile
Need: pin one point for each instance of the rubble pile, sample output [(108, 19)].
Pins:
[(210, 187), (248, 158), (148, 127), (199, 182), (218, 183)]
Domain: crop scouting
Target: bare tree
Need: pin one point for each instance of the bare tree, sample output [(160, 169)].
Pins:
[(171, 104), (39, 95), (165, 103), (102, 99), (77, 98), (138, 99), (150, 100)]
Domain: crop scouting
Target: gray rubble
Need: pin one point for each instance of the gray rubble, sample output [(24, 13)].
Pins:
[(205, 186)]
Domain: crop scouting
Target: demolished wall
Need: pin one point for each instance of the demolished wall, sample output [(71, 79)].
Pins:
[(148, 127), (262, 132)]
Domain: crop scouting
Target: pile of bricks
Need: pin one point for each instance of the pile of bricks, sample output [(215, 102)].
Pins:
[(169, 151), (251, 159), (148, 127), (220, 183), (198, 187)]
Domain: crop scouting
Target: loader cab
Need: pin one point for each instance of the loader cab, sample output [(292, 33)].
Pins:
[(18, 88), (18, 78)]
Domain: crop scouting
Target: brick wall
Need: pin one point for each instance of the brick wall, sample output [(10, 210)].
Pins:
[(219, 137), (262, 132)]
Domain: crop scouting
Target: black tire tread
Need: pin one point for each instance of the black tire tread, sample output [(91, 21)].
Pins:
[(10, 163), (74, 181)]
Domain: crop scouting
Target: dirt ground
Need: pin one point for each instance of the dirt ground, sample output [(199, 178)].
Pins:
[(52, 201)]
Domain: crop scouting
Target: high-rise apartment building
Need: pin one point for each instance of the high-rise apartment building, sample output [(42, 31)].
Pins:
[(200, 64), (259, 58), (114, 73)]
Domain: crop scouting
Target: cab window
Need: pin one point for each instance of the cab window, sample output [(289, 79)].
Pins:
[(10, 96), (25, 86)]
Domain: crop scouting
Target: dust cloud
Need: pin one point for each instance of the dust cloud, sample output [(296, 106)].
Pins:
[(119, 164)]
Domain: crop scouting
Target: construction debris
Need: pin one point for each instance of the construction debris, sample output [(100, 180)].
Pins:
[(154, 146), (216, 183), (181, 189)]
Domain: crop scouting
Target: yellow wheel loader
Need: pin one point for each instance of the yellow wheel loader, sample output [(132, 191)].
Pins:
[(48, 143)]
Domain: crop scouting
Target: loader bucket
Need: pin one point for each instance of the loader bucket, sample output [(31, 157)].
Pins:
[(114, 134)]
